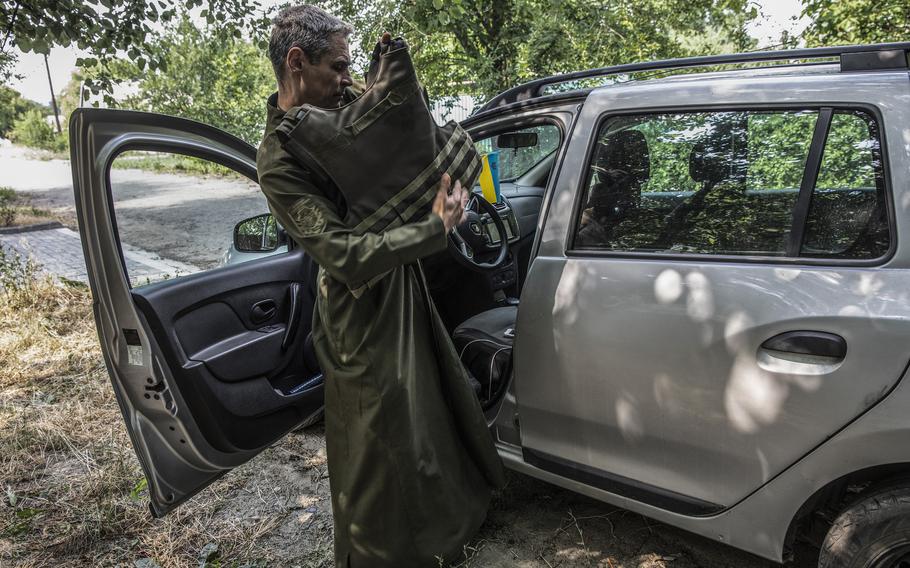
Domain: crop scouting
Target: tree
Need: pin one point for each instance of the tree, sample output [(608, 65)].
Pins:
[(32, 130), (107, 29), (482, 47), (211, 76), (837, 22), (13, 106)]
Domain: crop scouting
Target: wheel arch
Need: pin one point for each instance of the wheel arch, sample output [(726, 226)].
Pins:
[(813, 518)]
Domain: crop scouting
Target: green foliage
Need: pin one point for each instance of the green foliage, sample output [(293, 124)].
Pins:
[(32, 130), (108, 29), (837, 22), (12, 106), (849, 160), (137, 490), (778, 145), (482, 47), (171, 163), (211, 76), (7, 211)]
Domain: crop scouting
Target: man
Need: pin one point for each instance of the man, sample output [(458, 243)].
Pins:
[(410, 459)]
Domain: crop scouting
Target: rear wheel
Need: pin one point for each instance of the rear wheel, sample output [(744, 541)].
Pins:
[(872, 533)]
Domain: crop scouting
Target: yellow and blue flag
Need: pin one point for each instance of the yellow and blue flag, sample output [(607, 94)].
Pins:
[(489, 177)]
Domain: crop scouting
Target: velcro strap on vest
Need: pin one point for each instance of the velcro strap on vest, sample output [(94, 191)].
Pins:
[(457, 158)]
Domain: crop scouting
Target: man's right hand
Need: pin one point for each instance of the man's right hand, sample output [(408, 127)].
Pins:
[(450, 206)]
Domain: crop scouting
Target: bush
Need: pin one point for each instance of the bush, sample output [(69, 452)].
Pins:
[(32, 130), (13, 106), (7, 211)]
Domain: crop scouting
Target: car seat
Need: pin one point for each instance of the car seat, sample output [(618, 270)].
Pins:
[(484, 344), (712, 161), (620, 169)]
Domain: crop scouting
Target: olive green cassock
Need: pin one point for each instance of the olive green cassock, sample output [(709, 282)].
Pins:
[(411, 460)]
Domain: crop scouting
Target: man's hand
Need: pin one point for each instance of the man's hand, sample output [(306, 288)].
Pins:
[(450, 206)]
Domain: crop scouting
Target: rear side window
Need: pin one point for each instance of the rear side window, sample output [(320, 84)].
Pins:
[(728, 183), (847, 214)]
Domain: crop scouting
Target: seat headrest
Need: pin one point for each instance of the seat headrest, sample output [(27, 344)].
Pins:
[(709, 161), (627, 151)]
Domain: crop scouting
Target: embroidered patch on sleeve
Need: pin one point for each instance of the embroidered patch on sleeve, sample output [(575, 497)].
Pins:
[(308, 217)]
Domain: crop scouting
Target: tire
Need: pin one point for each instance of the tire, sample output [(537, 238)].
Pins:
[(872, 533)]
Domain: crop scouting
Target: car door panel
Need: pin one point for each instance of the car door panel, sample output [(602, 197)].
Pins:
[(208, 369), (704, 411), (234, 367)]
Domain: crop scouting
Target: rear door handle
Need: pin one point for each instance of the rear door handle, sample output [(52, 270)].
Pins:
[(817, 343)]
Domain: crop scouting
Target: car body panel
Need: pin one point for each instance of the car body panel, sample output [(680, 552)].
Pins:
[(648, 370), (193, 373)]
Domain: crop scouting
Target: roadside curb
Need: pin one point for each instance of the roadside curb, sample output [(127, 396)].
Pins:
[(30, 228)]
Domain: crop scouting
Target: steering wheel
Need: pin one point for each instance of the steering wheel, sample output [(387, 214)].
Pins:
[(466, 239)]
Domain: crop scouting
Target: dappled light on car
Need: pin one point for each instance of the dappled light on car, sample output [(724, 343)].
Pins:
[(628, 418), (668, 286), (735, 331), (700, 300), (753, 397), (851, 311), (868, 285), (787, 274), (676, 398), (575, 277)]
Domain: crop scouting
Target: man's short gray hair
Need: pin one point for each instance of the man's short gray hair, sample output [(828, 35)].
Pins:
[(308, 27)]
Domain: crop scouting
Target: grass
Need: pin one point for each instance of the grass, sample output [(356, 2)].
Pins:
[(71, 489), (16, 211), (172, 163)]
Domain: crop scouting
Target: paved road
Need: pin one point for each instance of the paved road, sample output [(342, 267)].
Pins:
[(57, 251), (180, 218)]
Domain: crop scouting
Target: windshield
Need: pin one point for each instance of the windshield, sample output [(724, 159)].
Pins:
[(515, 162)]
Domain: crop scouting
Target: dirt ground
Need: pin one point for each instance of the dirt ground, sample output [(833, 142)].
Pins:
[(72, 492)]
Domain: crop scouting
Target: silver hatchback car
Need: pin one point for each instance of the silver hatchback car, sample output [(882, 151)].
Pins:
[(704, 277)]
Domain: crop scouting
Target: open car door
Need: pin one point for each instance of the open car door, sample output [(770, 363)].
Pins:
[(211, 368)]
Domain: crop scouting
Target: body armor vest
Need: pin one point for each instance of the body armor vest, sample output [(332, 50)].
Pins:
[(384, 151)]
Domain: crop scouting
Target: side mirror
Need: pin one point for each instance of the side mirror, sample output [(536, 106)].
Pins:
[(517, 140), (258, 234)]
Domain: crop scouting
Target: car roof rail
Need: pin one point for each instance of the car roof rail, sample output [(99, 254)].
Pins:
[(852, 58)]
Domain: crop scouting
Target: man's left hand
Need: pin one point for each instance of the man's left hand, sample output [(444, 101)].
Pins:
[(450, 206)]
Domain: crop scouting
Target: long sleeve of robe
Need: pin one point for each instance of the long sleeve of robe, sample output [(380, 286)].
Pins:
[(411, 461)]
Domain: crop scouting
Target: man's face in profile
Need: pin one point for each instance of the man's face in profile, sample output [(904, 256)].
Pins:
[(324, 81)]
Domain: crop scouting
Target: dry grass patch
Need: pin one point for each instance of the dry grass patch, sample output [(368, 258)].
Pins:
[(17, 210), (72, 492)]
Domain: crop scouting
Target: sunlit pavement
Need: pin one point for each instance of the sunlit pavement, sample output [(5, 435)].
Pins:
[(57, 252)]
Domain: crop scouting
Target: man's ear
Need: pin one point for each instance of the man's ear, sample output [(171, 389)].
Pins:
[(296, 59)]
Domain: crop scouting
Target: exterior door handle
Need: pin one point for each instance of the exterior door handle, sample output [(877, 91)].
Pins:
[(263, 311), (817, 343)]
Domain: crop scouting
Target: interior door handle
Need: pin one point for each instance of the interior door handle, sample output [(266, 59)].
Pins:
[(263, 311), (817, 343), (290, 331)]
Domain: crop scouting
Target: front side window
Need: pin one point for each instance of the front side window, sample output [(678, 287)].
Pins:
[(727, 183), (176, 215)]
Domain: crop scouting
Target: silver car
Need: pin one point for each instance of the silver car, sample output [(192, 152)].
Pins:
[(704, 277)]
